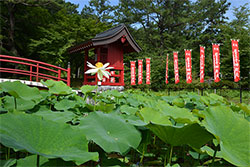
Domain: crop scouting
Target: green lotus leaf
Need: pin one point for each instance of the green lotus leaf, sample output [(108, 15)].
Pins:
[(20, 90), (154, 116), (205, 100), (180, 115), (101, 106), (168, 99), (245, 108), (62, 117), (232, 132), (193, 135), (87, 89), (7, 163), (57, 87), (116, 93), (134, 120), (43, 137), (110, 132), (65, 104), (80, 101), (179, 102), (21, 104), (128, 110), (210, 151), (30, 161)]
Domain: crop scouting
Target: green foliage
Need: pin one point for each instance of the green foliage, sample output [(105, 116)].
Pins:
[(110, 131), (43, 137), (22, 91), (123, 128), (59, 88), (228, 129)]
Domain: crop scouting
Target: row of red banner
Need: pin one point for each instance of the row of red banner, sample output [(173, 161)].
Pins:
[(188, 63), (216, 63), (140, 71)]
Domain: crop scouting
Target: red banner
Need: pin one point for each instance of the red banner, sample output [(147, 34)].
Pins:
[(236, 60), (188, 66), (147, 70), (216, 62), (140, 69), (132, 68), (176, 69), (202, 64), (167, 69)]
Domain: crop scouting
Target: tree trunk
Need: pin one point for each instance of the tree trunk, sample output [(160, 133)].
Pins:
[(11, 10)]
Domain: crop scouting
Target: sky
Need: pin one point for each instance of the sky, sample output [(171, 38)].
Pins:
[(229, 14)]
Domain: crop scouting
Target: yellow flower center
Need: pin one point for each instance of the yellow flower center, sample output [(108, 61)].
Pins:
[(98, 64)]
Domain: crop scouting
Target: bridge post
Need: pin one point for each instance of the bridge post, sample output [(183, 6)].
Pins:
[(30, 72), (37, 71), (59, 75), (68, 74)]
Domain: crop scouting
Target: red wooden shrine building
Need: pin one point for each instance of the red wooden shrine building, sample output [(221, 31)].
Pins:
[(107, 47)]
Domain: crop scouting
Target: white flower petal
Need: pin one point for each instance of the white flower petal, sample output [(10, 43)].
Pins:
[(99, 75), (106, 74), (91, 71), (109, 68), (90, 65), (106, 65)]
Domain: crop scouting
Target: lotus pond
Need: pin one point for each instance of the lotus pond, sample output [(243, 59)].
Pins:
[(57, 127)]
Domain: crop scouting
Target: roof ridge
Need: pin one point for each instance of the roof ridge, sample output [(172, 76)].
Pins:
[(111, 29)]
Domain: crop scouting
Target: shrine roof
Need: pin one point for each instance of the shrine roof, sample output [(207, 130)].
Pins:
[(108, 37)]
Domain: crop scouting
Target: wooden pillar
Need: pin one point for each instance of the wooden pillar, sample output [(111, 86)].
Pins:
[(86, 55)]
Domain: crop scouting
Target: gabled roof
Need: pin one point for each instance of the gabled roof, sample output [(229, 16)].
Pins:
[(107, 37)]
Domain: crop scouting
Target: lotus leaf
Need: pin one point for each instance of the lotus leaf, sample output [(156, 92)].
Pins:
[(30, 161), (134, 120), (43, 137), (20, 90), (116, 93), (154, 116), (65, 104), (128, 110), (180, 115), (87, 89), (232, 133), (57, 87), (62, 117), (7, 163), (105, 107), (245, 108), (210, 151), (178, 102), (193, 135), (110, 131), (22, 104)]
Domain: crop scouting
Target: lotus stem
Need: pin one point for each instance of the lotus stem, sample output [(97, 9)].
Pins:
[(215, 151), (8, 154), (170, 155), (165, 159), (154, 140), (143, 152), (37, 160)]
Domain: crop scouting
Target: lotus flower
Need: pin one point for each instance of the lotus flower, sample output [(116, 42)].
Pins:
[(100, 69)]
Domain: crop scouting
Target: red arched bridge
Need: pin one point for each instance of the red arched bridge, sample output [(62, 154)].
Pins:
[(34, 70)]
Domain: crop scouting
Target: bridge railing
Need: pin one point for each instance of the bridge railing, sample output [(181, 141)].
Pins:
[(35, 69)]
